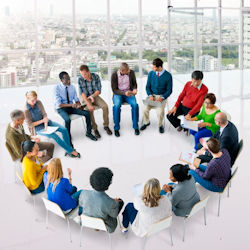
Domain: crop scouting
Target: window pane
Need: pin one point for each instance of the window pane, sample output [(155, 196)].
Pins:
[(182, 60), (208, 26), (91, 22), (246, 39), (230, 83), (17, 69), (55, 24), (231, 3), (124, 22), (247, 3), (230, 57), (17, 25), (246, 82), (182, 3), (230, 26), (205, 3), (208, 59)]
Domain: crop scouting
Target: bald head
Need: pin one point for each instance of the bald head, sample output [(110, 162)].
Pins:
[(221, 119)]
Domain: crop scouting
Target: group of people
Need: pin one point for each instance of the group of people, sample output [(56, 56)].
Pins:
[(155, 202)]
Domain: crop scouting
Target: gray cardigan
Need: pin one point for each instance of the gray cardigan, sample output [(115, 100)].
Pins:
[(183, 197), (100, 205)]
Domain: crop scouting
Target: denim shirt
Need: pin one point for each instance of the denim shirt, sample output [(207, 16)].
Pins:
[(36, 115)]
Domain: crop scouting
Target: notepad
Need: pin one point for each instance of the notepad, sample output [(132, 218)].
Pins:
[(151, 103), (194, 125), (50, 130), (190, 158)]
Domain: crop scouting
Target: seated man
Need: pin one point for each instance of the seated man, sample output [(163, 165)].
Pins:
[(90, 89), (189, 101), (67, 103), (15, 135), (124, 86), (159, 88), (227, 135), (96, 203)]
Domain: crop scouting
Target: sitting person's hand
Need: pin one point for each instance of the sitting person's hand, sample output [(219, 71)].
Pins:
[(45, 167), (45, 120), (69, 171), (134, 91), (36, 139), (159, 99), (172, 111), (40, 154), (151, 98), (202, 124), (128, 93), (91, 98), (201, 151), (188, 117), (191, 166), (91, 108), (166, 188), (74, 105)]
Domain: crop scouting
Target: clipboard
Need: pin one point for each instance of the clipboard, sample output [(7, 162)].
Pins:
[(190, 158)]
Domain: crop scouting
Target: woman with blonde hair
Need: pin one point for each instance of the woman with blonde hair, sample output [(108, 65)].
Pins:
[(147, 209), (38, 122), (60, 189)]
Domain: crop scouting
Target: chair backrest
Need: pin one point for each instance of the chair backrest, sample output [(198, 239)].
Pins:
[(53, 207), (232, 176), (20, 178), (240, 147), (159, 225), (92, 222), (198, 206)]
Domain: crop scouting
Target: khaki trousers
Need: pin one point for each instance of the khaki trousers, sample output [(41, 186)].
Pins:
[(159, 111), (100, 103)]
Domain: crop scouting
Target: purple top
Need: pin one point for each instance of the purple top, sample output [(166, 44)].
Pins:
[(123, 81), (218, 170)]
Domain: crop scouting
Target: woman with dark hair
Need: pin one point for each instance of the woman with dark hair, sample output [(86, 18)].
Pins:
[(182, 195), (33, 169), (96, 203), (208, 127), (148, 208), (217, 173)]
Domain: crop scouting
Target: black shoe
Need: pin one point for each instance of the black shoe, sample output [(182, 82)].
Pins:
[(144, 126), (90, 136), (117, 133), (97, 134), (73, 156), (161, 129), (107, 129), (137, 132), (179, 128)]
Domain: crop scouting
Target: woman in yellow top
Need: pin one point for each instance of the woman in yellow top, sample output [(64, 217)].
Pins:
[(33, 169)]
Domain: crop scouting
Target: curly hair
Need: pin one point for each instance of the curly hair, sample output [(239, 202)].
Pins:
[(101, 179), (180, 172)]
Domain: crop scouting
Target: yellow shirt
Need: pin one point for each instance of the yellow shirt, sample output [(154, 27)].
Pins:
[(32, 173)]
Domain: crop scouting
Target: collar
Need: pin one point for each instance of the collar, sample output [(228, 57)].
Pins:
[(199, 87), (64, 86), (29, 107), (119, 72)]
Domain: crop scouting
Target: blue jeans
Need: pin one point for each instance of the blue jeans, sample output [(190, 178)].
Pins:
[(129, 214), (65, 143), (65, 112), (204, 183), (131, 100), (38, 190), (202, 132), (76, 196)]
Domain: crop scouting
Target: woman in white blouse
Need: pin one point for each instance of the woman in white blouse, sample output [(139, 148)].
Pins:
[(147, 209)]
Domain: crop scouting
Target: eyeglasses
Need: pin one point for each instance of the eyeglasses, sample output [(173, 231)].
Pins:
[(208, 103)]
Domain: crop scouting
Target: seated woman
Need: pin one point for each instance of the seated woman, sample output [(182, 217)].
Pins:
[(147, 209), (182, 195), (38, 122), (208, 127), (96, 203), (33, 169), (217, 173), (59, 189)]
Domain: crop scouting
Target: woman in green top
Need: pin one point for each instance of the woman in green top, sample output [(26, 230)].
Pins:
[(208, 127)]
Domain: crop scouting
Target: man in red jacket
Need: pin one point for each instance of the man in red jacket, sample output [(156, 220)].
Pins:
[(189, 101)]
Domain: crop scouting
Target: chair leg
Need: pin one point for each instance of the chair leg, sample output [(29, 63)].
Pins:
[(184, 229), (47, 218), (69, 230), (34, 201), (171, 238), (144, 243), (228, 190), (219, 205), (83, 123), (81, 236), (110, 241), (205, 221)]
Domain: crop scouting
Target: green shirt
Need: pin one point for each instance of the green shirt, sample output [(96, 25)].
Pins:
[(208, 118)]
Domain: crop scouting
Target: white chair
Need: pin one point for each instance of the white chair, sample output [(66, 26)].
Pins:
[(55, 209), (33, 196), (226, 188), (196, 208), (95, 223), (159, 226)]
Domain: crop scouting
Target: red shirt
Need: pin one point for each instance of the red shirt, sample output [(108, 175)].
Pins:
[(192, 97)]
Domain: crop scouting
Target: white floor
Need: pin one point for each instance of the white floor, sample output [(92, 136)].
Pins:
[(133, 159)]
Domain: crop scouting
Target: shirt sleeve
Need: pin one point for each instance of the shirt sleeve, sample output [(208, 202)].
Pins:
[(169, 88), (98, 85), (57, 97), (200, 115), (114, 209), (82, 87), (148, 86), (209, 172), (68, 186)]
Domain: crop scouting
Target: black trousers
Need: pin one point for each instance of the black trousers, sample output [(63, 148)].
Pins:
[(181, 110)]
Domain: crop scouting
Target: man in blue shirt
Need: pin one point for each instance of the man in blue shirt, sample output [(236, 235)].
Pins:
[(67, 102), (159, 88)]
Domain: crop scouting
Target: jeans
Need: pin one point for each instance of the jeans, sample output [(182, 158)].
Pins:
[(131, 100), (65, 143), (202, 132), (76, 196), (204, 183), (129, 215), (65, 112), (38, 190)]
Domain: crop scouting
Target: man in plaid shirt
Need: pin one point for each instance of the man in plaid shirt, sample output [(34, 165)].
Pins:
[(90, 90)]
